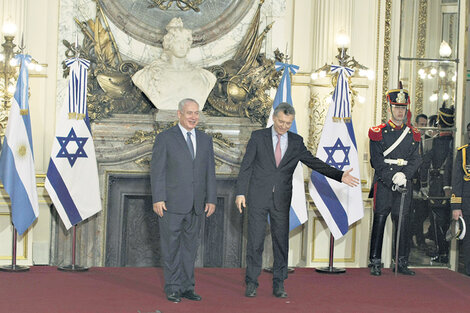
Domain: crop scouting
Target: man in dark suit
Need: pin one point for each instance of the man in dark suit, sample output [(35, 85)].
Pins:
[(183, 187), (265, 179)]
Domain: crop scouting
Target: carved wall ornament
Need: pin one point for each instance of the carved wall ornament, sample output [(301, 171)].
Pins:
[(183, 5), (110, 89)]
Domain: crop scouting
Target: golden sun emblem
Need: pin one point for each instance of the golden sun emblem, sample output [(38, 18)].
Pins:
[(22, 150)]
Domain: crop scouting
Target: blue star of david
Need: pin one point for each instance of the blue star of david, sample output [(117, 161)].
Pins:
[(64, 153), (338, 146)]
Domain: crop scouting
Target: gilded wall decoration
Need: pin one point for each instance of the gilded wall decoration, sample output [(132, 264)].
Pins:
[(387, 55), (317, 110), (110, 89), (420, 53), (243, 81)]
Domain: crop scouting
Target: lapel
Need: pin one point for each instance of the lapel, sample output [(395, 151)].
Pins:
[(268, 141), (181, 140), (290, 148), (199, 143)]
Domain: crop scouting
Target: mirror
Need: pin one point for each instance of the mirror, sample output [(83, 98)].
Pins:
[(428, 70)]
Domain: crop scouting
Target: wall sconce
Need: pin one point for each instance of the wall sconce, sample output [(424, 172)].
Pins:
[(342, 43), (9, 71)]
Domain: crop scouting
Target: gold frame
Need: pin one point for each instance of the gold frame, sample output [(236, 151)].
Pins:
[(25, 241), (344, 260)]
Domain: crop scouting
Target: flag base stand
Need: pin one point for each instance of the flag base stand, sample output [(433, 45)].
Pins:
[(73, 267), (330, 269), (13, 267), (269, 269)]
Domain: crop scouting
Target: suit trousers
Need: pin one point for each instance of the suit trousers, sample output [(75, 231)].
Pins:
[(179, 240), (279, 222)]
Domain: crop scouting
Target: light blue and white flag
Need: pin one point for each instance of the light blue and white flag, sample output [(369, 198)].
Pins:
[(17, 159), (298, 207), (72, 176), (339, 204)]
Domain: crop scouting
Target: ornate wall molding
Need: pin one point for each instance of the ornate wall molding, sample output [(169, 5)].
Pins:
[(420, 53), (386, 59)]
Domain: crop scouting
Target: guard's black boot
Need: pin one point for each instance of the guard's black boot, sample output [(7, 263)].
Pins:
[(376, 241), (376, 267), (403, 267)]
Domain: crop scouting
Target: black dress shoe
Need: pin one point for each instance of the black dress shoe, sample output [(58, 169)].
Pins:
[(279, 292), (174, 297), (250, 290), (190, 295)]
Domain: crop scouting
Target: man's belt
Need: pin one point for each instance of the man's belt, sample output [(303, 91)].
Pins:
[(399, 162)]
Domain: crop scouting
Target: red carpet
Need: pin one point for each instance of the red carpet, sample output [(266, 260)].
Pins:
[(134, 290)]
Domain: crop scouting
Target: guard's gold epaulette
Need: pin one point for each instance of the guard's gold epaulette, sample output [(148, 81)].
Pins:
[(464, 146)]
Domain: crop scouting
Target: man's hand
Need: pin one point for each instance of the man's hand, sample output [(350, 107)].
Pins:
[(158, 208), (240, 201), (349, 180), (456, 214), (210, 208)]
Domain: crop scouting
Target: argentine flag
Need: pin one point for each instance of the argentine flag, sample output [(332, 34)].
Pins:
[(339, 204), (298, 207), (72, 175), (17, 160)]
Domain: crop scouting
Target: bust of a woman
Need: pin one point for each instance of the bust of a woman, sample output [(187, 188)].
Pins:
[(171, 78)]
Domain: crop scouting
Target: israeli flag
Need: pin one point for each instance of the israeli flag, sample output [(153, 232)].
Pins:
[(339, 204), (72, 175), (298, 208), (17, 161)]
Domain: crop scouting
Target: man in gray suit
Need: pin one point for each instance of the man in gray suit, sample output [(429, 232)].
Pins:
[(183, 188), (265, 178)]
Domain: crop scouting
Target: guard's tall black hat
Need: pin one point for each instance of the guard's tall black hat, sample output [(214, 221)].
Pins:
[(398, 97), (446, 116)]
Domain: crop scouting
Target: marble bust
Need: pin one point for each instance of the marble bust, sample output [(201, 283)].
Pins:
[(171, 78)]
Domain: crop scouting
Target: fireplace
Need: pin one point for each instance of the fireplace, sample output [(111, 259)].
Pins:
[(132, 234)]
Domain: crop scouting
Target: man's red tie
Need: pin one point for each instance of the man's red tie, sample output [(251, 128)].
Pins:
[(277, 152)]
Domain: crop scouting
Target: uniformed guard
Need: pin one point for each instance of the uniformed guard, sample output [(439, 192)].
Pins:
[(460, 200), (395, 158), (438, 174)]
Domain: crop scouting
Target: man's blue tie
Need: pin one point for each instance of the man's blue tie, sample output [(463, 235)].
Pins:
[(190, 144)]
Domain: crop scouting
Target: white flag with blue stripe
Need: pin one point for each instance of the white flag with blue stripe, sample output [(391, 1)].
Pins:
[(72, 175), (17, 160), (339, 204), (298, 209)]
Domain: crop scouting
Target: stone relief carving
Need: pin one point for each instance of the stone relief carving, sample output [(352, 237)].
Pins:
[(183, 5), (146, 20)]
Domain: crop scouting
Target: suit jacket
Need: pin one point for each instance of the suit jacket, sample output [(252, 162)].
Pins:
[(259, 176), (177, 179)]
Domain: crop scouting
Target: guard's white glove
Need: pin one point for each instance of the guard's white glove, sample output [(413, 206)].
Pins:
[(399, 179)]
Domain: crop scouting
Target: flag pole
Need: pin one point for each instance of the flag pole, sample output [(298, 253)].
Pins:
[(13, 267), (73, 267), (330, 269)]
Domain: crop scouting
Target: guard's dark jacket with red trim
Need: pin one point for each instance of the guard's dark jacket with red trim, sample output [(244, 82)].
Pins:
[(381, 138)]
